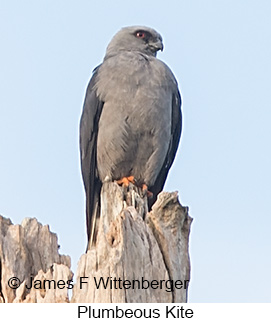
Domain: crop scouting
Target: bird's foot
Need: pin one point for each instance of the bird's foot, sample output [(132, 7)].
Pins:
[(126, 180), (145, 191)]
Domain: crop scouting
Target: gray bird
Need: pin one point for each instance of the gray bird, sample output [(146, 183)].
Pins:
[(131, 121)]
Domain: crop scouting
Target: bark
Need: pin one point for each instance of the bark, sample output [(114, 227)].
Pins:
[(140, 254)]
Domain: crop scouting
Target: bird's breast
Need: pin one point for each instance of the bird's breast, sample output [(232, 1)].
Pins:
[(135, 124)]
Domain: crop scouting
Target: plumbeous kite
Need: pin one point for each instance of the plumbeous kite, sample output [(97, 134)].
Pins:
[(131, 121)]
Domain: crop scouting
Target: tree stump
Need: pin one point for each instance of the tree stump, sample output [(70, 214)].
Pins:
[(132, 252), (138, 257), (30, 252)]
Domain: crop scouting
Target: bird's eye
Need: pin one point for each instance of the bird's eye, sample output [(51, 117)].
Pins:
[(140, 34)]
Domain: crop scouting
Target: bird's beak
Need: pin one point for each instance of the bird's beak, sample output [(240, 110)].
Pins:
[(156, 46)]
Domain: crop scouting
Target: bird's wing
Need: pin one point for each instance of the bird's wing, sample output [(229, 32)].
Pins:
[(88, 149), (176, 128)]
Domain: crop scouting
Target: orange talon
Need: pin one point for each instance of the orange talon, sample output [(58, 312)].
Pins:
[(126, 180), (145, 190)]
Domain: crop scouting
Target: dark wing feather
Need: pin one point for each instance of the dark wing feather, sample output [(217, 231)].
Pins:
[(88, 149), (176, 128)]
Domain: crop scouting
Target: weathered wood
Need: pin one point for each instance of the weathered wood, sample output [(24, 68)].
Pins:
[(170, 224), (129, 248), (139, 255), (31, 250)]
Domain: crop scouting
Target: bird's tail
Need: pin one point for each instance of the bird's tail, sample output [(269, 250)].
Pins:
[(93, 215)]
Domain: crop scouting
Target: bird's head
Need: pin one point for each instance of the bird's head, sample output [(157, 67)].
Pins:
[(136, 38)]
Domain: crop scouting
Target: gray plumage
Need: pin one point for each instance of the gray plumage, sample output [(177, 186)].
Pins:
[(131, 120)]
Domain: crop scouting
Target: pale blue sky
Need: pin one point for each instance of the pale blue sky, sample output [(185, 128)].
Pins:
[(219, 51)]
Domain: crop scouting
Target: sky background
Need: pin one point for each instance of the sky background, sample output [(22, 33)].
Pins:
[(219, 51)]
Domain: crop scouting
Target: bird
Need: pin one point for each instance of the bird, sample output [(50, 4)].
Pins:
[(131, 121)]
